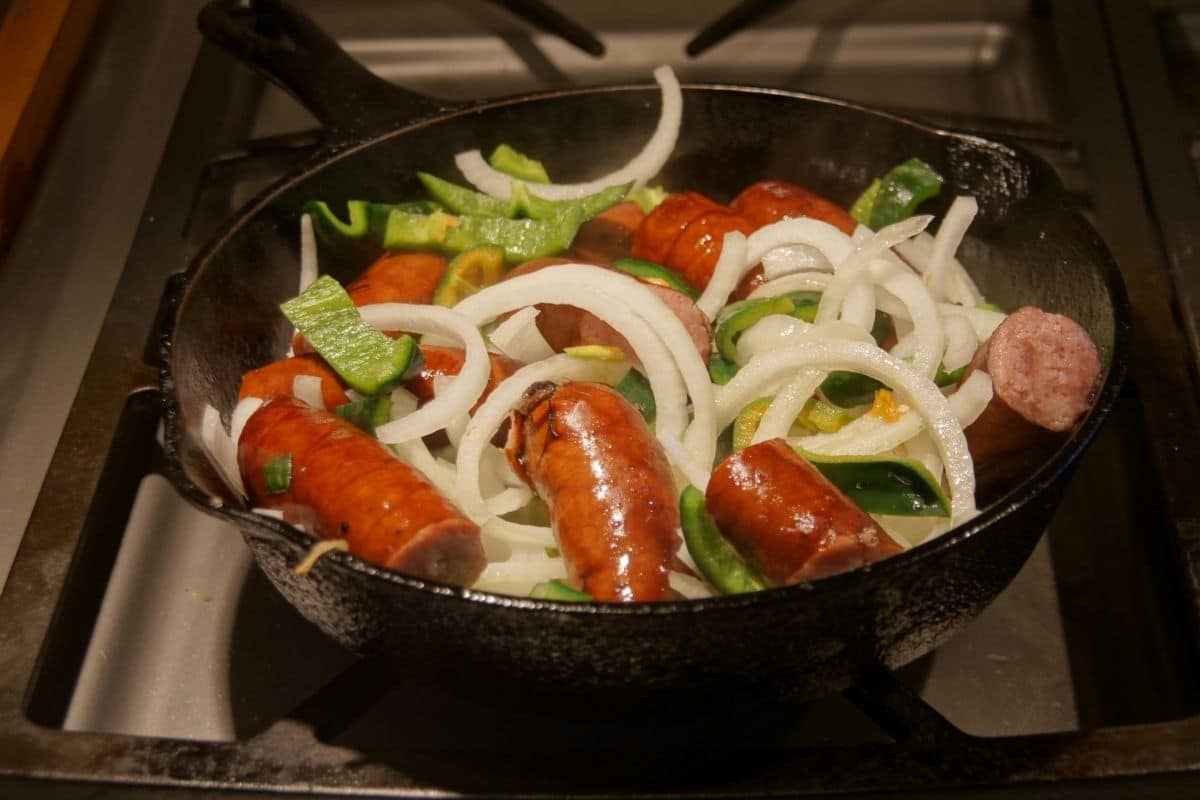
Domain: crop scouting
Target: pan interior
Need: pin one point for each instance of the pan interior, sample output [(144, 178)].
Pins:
[(1026, 247)]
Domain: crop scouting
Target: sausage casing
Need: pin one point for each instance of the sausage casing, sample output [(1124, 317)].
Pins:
[(771, 201), (588, 453), (346, 485), (787, 519), (277, 379)]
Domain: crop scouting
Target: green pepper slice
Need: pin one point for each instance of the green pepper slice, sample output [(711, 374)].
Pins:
[(737, 317), (511, 162), (557, 590), (277, 474), (721, 371), (469, 272), (884, 485), (897, 194), (367, 360), (526, 202), (461, 200), (655, 274), (366, 413), (727, 571), (817, 416), (634, 387), (520, 239)]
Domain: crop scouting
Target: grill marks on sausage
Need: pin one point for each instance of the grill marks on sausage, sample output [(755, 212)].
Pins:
[(588, 453), (345, 484), (788, 520)]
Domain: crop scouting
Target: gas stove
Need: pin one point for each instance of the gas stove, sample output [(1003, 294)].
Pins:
[(141, 654)]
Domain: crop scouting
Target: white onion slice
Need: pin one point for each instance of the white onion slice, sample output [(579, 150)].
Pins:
[(983, 320), (468, 384), (222, 450), (690, 587), (794, 258), (960, 288), (769, 333), (949, 236), (847, 273), (518, 337), (403, 402), (827, 239), (796, 282), (416, 454), (307, 389), (681, 459), (308, 252), (644, 166), (241, 414), (913, 388), (520, 572), (930, 338), (961, 342), (727, 273)]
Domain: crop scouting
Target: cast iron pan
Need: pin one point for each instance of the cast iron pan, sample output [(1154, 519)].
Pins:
[(1028, 246)]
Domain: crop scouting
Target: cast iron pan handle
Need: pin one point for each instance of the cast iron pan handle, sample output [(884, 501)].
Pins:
[(294, 53)]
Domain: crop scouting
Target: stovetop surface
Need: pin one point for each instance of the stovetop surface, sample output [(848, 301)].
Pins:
[(190, 644)]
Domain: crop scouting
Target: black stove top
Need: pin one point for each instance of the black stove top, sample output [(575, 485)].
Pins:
[(145, 657)]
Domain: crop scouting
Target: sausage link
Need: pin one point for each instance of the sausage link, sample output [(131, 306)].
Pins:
[(607, 236), (398, 278), (657, 233), (277, 378), (449, 361), (588, 454), (771, 201), (696, 250), (787, 519), (1044, 369), (346, 485)]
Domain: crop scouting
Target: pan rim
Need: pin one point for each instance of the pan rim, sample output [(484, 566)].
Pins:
[(1023, 493)]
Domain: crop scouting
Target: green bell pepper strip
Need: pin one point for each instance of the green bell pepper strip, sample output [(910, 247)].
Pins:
[(363, 217), (817, 416), (721, 371), (520, 239), (737, 317), (656, 274), (461, 200), (367, 360), (884, 485), (534, 207), (520, 166), (853, 389), (277, 474), (367, 413), (897, 194), (634, 387), (727, 571), (557, 590)]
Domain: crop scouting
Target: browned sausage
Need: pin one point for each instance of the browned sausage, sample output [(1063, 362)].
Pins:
[(1044, 369), (393, 278), (346, 485), (588, 453), (787, 519), (696, 250), (449, 361), (277, 378), (607, 236), (657, 233), (398, 278), (771, 201)]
